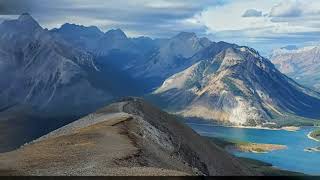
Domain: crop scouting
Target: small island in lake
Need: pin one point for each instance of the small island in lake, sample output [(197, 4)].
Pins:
[(315, 135), (290, 128), (257, 148), (232, 145)]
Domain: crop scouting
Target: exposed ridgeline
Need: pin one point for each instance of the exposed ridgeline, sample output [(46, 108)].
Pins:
[(301, 64), (130, 137), (149, 61), (238, 87)]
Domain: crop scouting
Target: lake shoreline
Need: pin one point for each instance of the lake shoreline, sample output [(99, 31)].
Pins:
[(285, 128), (262, 166), (291, 158)]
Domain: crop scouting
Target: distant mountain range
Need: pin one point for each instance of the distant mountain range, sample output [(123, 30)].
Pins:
[(143, 58), (301, 64), (73, 70)]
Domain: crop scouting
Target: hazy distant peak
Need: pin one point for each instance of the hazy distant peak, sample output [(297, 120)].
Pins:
[(72, 28), (25, 23), (186, 35), (290, 47), (117, 33), (27, 19), (25, 16), (70, 25), (205, 41)]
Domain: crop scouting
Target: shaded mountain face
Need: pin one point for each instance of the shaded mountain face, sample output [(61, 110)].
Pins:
[(146, 60), (47, 82), (238, 87), (172, 55), (130, 137), (44, 72), (93, 40), (300, 64)]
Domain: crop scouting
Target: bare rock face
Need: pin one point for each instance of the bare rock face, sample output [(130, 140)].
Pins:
[(43, 71), (238, 87), (173, 54), (301, 64)]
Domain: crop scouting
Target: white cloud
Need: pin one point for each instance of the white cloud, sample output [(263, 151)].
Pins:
[(230, 17), (287, 8), (238, 21), (295, 8), (282, 22)]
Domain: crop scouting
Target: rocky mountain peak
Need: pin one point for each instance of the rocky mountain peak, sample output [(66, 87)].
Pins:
[(185, 35), (28, 21), (74, 28), (25, 16), (116, 33), (80, 27), (236, 55)]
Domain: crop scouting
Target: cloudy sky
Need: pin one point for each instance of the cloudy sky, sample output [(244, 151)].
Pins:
[(262, 24)]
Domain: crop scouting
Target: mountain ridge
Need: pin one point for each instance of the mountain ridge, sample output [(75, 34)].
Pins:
[(301, 64), (237, 86), (44, 65)]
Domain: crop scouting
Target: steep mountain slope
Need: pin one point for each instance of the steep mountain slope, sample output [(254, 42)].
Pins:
[(125, 138), (172, 55), (43, 71), (47, 82), (147, 60), (300, 64), (239, 87)]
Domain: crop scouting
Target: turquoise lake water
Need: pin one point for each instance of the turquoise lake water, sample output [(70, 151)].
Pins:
[(294, 158)]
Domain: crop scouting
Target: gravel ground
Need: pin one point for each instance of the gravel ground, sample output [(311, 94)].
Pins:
[(86, 121)]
